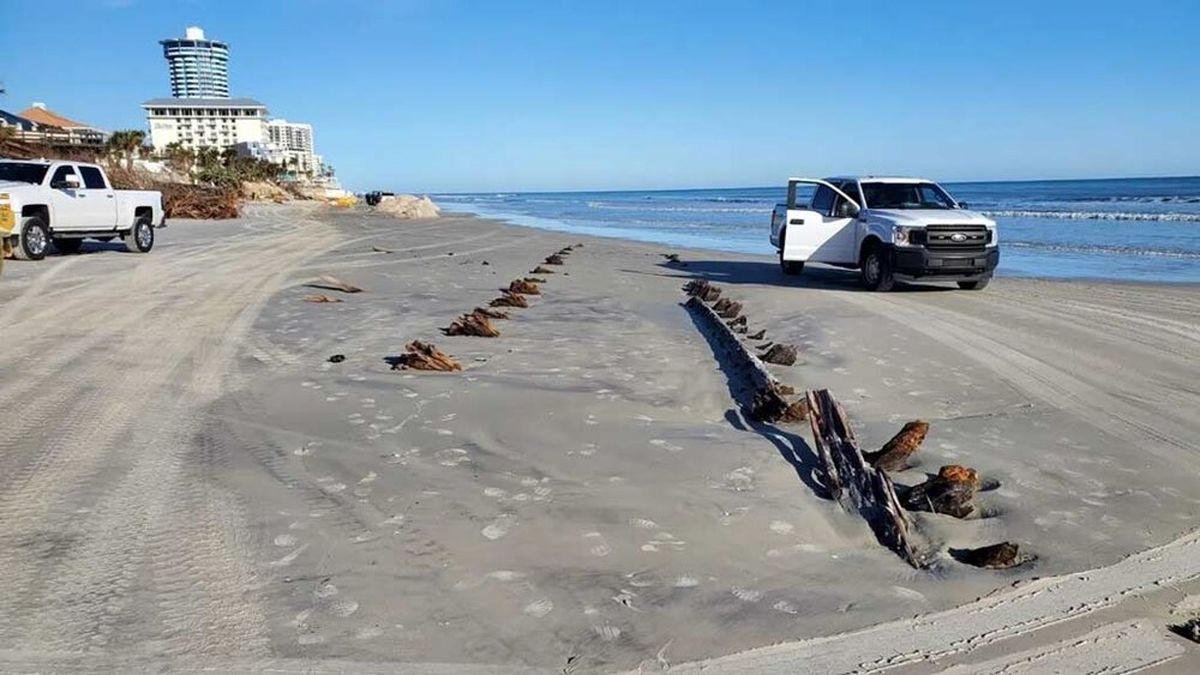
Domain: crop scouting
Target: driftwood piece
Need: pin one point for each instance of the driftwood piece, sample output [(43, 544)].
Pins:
[(1188, 629), (541, 270), (320, 297), (701, 288), (782, 355), (996, 557), (757, 336), (508, 299), (949, 492), (727, 309), (894, 454), (856, 485), (332, 283), (771, 406), (765, 401), (523, 287), (490, 313), (473, 324), (380, 249), (423, 356), (535, 280), (555, 259)]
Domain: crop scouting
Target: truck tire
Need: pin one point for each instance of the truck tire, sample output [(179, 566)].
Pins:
[(140, 239), (33, 240), (876, 270), (789, 267), (977, 285), (67, 245)]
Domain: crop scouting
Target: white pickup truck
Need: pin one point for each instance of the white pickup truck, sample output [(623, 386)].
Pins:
[(888, 228), (44, 202)]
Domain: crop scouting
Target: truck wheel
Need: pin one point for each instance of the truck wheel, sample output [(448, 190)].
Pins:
[(67, 246), (977, 285), (876, 270), (141, 238), (789, 267), (34, 239)]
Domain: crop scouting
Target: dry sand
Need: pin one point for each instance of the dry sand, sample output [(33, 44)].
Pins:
[(187, 483)]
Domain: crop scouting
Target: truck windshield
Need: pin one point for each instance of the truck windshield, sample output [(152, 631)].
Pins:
[(906, 196), (19, 172)]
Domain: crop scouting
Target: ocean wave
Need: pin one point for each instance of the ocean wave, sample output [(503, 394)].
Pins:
[(1103, 249), (1139, 199), (1096, 215), (672, 209)]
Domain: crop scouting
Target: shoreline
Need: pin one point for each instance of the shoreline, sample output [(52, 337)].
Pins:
[(567, 230)]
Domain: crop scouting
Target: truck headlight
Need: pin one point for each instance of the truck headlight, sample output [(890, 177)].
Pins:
[(904, 236)]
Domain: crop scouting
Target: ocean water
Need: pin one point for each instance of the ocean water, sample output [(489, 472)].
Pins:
[(1139, 229)]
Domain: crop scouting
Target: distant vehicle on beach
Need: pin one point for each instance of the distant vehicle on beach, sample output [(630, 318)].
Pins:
[(376, 197), (44, 202), (888, 228)]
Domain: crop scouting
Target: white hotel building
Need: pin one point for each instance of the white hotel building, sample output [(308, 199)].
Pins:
[(201, 114), (197, 123), (294, 143)]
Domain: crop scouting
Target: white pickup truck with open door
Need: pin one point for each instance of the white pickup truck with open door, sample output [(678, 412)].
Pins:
[(888, 228)]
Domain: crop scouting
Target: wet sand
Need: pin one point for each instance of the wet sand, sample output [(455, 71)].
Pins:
[(585, 495)]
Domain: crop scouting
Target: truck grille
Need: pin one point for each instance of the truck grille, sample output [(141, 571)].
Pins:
[(956, 237)]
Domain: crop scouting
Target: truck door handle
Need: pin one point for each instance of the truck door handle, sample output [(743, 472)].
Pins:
[(796, 221), (109, 196)]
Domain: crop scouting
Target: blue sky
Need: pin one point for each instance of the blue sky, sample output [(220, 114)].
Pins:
[(452, 95)]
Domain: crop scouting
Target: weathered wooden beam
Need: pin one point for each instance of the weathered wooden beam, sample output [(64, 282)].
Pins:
[(854, 483), (756, 371)]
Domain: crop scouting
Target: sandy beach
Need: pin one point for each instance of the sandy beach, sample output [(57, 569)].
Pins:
[(187, 481)]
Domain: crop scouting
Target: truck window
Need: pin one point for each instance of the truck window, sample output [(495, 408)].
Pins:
[(60, 175), (803, 195), (92, 178), (823, 200), (840, 208), (20, 172)]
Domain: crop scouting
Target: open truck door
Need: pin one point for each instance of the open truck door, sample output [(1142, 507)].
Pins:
[(818, 231)]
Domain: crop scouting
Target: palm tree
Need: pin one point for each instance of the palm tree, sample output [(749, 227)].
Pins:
[(126, 143)]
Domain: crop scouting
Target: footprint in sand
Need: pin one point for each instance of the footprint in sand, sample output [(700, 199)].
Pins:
[(285, 540), (746, 594), (643, 523), (499, 527), (325, 589), (669, 447), (740, 479), (781, 527), (343, 607), (539, 608), (785, 607), (452, 456), (664, 540), (607, 632), (686, 581), (505, 575), (598, 547), (494, 493)]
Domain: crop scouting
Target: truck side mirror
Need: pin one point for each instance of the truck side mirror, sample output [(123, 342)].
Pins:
[(964, 205), (72, 182)]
